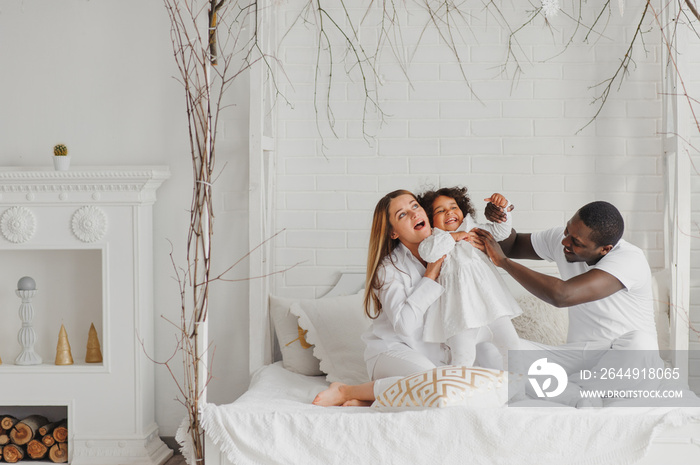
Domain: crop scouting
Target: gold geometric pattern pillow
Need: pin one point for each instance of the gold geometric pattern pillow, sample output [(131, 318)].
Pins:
[(448, 386)]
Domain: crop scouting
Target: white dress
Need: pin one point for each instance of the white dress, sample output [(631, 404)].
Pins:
[(475, 293)]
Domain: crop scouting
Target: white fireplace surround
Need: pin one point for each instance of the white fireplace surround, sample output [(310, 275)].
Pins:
[(104, 213)]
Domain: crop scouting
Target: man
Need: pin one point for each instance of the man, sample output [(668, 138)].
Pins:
[(605, 282)]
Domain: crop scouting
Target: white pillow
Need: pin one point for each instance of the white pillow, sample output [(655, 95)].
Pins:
[(297, 354), (335, 326), (541, 322), (447, 387)]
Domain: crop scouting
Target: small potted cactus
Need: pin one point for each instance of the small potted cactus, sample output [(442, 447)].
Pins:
[(61, 159)]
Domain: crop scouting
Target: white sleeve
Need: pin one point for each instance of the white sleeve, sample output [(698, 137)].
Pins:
[(546, 242), (628, 265), (499, 231), (433, 248), (405, 307)]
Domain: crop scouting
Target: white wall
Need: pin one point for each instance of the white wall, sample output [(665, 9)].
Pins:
[(520, 137), (98, 76)]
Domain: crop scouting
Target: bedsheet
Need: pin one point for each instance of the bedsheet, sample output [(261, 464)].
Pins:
[(274, 422)]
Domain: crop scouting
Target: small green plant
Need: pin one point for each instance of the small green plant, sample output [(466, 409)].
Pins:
[(60, 150)]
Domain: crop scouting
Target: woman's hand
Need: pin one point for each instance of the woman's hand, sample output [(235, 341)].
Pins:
[(485, 242), (432, 270)]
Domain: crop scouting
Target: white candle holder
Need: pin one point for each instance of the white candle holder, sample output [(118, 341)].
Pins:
[(27, 336)]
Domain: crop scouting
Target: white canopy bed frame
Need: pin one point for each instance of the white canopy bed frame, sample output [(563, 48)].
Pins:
[(671, 444)]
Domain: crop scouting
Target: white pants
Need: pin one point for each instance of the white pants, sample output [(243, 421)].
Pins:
[(392, 365), (597, 356), (500, 332)]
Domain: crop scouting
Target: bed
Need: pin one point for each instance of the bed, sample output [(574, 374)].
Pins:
[(315, 341)]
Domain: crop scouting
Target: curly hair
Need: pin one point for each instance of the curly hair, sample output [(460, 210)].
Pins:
[(426, 200), (605, 221)]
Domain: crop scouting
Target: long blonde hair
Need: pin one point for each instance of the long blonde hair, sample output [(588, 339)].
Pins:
[(380, 245)]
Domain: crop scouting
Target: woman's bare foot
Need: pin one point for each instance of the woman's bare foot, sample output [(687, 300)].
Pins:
[(331, 396)]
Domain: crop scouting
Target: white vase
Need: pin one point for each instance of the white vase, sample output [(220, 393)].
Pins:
[(61, 162)]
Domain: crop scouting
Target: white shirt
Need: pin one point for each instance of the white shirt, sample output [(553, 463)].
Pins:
[(626, 310), (405, 297)]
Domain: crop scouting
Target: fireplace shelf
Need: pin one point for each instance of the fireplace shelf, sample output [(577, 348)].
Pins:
[(86, 237)]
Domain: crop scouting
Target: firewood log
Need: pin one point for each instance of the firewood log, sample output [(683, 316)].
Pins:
[(48, 440), (7, 422), (12, 453), (4, 438), (36, 450), (59, 453), (60, 432), (25, 430), (47, 428)]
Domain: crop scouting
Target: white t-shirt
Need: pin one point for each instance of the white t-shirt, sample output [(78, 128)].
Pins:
[(626, 310), (405, 296)]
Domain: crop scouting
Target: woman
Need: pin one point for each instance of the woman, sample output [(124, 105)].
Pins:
[(400, 287)]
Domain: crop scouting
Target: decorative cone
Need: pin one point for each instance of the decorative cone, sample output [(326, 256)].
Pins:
[(63, 355), (94, 354)]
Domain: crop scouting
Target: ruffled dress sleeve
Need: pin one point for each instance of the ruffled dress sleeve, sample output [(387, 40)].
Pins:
[(439, 243)]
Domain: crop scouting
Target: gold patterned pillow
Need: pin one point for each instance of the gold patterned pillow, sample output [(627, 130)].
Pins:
[(446, 387)]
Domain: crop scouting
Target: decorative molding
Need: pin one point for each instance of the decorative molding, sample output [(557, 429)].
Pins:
[(142, 181), (89, 223), (17, 224)]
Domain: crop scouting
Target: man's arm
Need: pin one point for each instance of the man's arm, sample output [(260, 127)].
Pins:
[(587, 287), (516, 245)]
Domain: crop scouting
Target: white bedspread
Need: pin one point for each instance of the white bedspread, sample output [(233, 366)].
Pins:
[(274, 422)]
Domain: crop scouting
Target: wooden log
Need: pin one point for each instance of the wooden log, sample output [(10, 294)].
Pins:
[(48, 440), (4, 438), (60, 432), (25, 430), (58, 453), (12, 453), (36, 449), (7, 422), (47, 428)]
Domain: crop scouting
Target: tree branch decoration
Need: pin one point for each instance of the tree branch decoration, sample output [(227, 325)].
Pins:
[(210, 49)]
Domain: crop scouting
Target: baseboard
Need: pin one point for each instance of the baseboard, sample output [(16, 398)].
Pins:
[(171, 443)]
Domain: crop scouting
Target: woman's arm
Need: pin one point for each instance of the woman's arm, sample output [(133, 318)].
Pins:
[(405, 306)]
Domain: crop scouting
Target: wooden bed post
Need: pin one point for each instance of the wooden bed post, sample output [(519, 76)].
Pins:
[(677, 228), (261, 192)]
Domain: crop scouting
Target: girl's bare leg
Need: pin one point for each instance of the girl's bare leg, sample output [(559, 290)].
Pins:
[(345, 394)]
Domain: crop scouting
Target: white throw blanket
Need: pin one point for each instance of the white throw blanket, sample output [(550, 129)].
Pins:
[(275, 423)]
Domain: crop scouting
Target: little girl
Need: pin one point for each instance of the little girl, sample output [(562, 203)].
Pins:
[(476, 305)]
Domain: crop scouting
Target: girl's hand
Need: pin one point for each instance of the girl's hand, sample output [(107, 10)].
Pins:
[(498, 200), (460, 236), (432, 270), (494, 210)]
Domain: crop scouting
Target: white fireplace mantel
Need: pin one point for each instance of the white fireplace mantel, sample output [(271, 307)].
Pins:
[(104, 214), (106, 184)]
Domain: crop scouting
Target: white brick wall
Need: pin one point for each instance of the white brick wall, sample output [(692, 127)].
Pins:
[(521, 137)]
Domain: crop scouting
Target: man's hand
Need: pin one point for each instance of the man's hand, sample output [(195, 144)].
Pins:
[(495, 208), (485, 242), (432, 270)]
